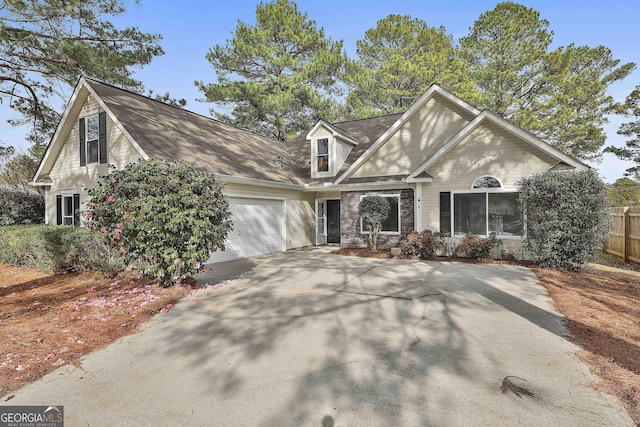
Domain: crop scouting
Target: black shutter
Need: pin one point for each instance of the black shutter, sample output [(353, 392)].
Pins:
[(83, 147), (59, 209), (445, 212), (76, 210), (102, 136)]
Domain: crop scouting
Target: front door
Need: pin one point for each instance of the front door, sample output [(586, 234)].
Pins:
[(333, 221)]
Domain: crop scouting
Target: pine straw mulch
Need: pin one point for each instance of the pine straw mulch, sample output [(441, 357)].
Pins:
[(50, 320), (602, 308)]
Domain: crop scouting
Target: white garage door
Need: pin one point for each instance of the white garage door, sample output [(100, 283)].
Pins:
[(257, 229)]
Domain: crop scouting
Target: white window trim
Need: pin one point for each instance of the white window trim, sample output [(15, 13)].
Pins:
[(486, 191), (65, 194), (389, 233), (332, 156), (86, 117)]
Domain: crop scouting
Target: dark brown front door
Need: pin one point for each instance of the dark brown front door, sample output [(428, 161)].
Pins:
[(333, 221)]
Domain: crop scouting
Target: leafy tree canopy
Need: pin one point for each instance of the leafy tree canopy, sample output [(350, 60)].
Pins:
[(558, 95), (275, 76), (45, 45), (397, 61), (17, 169), (624, 192), (631, 129)]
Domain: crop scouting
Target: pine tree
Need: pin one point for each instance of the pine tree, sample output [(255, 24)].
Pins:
[(275, 76)]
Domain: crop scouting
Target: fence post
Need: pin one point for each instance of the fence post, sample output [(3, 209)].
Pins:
[(626, 232)]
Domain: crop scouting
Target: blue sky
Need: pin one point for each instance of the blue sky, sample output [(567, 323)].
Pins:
[(191, 27)]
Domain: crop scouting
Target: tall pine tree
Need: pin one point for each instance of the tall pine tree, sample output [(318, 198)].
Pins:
[(631, 129), (397, 61), (45, 45), (277, 76), (558, 95)]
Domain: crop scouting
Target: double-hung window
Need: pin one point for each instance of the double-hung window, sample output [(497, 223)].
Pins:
[(91, 125), (93, 139), (486, 208), (323, 155)]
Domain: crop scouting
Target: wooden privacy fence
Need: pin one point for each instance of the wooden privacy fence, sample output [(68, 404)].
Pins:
[(624, 237)]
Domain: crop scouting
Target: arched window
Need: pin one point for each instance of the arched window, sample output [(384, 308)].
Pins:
[(486, 182)]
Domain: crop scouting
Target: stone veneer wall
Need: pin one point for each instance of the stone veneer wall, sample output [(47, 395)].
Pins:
[(350, 233)]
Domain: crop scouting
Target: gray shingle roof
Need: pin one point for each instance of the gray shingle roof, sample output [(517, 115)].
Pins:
[(167, 132), (365, 131)]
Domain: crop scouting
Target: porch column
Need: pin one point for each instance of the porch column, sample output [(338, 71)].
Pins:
[(417, 206)]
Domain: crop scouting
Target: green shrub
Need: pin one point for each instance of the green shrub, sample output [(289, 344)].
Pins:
[(19, 207), (566, 216), (56, 248), (165, 216), (373, 210)]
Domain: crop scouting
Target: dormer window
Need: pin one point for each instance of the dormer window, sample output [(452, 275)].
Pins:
[(323, 155), (329, 147)]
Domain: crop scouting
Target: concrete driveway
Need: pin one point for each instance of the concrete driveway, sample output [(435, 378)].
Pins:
[(313, 339)]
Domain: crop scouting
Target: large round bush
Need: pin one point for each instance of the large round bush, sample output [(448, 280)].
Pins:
[(567, 217), (165, 217)]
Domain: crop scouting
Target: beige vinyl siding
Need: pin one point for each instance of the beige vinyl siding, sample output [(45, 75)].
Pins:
[(488, 150), (67, 174), (428, 129), (342, 151), (299, 210)]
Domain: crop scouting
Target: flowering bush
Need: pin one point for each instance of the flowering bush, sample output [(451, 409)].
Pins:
[(431, 243), (411, 246), (165, 216), (567, 217), (473, 246)]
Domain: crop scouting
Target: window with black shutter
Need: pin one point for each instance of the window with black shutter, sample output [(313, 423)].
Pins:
[(445, 212), (93, 139), (68, 209)]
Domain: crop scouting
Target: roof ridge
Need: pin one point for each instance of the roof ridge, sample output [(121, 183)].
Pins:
[(366, 118), (182, 109)]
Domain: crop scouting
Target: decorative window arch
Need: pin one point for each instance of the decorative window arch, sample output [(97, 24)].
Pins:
[(486, 182)]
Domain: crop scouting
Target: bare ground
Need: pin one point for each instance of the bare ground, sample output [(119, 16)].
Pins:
[(50, 320)]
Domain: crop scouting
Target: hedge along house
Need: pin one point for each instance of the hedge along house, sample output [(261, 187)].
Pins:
[(443, 165)]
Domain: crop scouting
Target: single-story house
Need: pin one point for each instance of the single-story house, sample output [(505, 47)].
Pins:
[(443, 165)]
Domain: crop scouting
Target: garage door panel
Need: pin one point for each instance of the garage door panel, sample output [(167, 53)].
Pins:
[(257, 229)]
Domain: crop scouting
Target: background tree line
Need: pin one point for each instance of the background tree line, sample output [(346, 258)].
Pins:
[(277, 76)]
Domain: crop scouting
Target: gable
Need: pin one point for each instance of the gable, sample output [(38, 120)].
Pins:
[(66, 170), (421, 135), (62, 160), (489, 150)]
